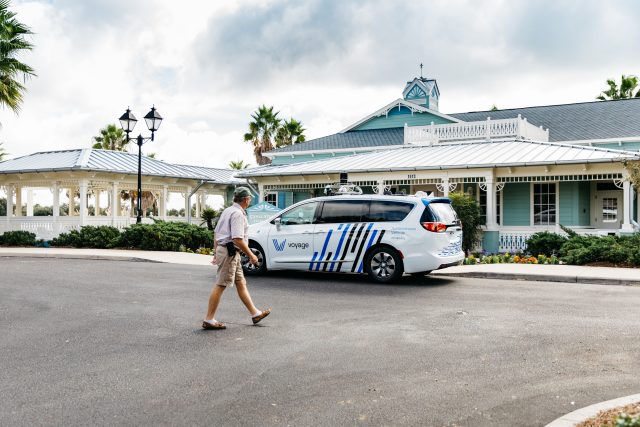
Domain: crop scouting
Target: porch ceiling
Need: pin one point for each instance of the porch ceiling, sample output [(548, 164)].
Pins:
[(452, 156)]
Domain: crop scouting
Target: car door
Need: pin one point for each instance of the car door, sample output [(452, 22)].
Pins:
[(338, 226), (290, 243)]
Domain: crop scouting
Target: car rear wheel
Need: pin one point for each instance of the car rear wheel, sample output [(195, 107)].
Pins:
[(251, 269), (384, 265)]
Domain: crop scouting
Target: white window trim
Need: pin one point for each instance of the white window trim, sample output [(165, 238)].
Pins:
[(268, 193), (531, 198)]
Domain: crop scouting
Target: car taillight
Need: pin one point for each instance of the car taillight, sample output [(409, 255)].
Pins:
[(436, 227)]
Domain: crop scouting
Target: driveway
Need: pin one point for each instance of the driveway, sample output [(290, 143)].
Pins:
[(111, 342)]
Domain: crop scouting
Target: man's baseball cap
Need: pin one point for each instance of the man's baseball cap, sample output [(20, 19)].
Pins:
[(242, 192)]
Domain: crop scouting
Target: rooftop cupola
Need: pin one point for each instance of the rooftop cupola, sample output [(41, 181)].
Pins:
[(422, 91)]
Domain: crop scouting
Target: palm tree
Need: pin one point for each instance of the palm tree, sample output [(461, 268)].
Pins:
[(13, 73), (240, 164), (3, 152), (111, 138), (261, 132), (291, 132), (628, 85)]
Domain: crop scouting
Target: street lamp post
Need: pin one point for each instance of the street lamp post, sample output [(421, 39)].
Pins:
[(128, 122)]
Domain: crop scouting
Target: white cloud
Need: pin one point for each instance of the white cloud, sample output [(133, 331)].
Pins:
[(206, 65)]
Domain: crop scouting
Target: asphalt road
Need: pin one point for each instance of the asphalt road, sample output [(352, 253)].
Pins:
[(119, 343)]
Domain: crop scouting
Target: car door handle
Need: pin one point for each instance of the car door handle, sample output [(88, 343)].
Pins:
[(308, 232)]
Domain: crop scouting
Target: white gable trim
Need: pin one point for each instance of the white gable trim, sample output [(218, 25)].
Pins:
[(399, 103)]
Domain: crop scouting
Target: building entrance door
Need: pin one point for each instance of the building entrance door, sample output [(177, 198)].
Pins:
[(608, 209)]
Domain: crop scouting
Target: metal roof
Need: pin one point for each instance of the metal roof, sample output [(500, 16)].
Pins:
[(566, 122), (452, 156), (94, 160)]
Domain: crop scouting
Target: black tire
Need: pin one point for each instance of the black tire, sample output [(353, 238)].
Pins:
[(383, 264), (250, 269)]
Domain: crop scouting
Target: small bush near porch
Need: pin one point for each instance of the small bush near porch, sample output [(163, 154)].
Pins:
[(623, 251), (18, 238)]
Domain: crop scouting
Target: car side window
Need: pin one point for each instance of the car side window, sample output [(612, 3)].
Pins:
[(382, 211), (303, 214), (342, 211)]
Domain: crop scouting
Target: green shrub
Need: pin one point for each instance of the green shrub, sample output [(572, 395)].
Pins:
[(18, 238), (469, 213), (622, 250), (545, 243), (166, 236), (96, 237), (626, 420)]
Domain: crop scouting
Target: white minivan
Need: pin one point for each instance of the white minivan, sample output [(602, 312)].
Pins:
[(383, 236)]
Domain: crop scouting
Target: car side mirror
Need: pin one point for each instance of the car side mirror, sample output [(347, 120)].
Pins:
[(278, 222)]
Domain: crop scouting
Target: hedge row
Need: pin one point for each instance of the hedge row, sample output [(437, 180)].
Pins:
[(581, 250), (18, 238), (160, 236)]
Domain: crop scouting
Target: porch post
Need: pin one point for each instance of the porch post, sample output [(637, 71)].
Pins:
[(626, 201), (96, 212), (56, 200), (260, 192), (187, 208), (18, 201), (492, 220), (198, 195), (115, 197), (72, 202), (30, 202), (10, 190), (83, 202), (445, 185), (163, 205), (381, 186)]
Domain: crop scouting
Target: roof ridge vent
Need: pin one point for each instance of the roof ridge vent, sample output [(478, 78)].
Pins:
[(83, 158)]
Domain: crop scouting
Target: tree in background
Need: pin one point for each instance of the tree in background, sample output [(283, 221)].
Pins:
[(13, 73), (3, 153), (470, 214), (239, 165), (262, 129), (494, 107), (628, 85), (289, 133), (112, 138)]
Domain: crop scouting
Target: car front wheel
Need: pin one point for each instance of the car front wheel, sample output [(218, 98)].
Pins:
[(384, 265), (254, 269)]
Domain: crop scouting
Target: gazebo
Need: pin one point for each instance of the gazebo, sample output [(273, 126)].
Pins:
[(102, 179)]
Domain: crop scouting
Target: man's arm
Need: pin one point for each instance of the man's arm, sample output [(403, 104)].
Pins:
[(239, 242)]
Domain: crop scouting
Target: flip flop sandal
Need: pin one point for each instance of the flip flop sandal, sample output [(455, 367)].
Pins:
[(261, 316), (217, 325)]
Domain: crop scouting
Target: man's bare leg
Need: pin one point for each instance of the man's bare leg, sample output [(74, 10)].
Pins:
[(214, 300), (243, 293)]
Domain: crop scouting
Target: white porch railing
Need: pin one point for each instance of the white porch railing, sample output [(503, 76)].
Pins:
[(488, 130), (46, 227)]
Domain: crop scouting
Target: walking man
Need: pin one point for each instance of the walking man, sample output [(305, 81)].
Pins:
[(231, 236)]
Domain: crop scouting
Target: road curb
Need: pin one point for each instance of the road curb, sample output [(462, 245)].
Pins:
[(544, 278), (575, 417), (79, 256)]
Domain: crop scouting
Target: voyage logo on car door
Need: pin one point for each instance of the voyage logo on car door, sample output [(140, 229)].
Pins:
[(279, 246)]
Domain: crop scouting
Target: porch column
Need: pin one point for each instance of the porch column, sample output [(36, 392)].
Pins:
[(627, 201), (83, 202), (115, 197), (163, 204), (18, 201), (72, 202), (30, 202), (198, 196), (187, 208), (492, 221), (380, 187), (10, 190), (445, 185), (260, 193), (96, 212), (56, 200)]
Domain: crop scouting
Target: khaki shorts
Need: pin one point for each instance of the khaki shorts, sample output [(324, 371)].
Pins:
[(229, 268)]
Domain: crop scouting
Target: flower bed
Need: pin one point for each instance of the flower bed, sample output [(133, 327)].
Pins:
[(510, 259)]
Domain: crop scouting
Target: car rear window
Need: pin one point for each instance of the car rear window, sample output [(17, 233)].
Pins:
[(439, 212), (338, 211), (381, 211)]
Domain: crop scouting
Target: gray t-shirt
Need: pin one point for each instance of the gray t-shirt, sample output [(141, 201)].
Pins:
[(232, 224)]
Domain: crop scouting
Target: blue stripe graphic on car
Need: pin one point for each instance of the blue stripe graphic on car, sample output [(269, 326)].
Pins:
[(324, 249), (371, 239), (335, 257), (315, 254)]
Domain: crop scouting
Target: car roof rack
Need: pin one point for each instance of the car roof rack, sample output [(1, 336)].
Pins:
[(342, 189)]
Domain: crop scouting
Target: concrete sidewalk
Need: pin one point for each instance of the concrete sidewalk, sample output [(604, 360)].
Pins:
[(535, 272)]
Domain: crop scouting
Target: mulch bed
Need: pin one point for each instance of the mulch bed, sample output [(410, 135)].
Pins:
[(607, 418)]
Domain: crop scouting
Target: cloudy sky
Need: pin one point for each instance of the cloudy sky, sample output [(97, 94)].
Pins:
[(206, 65)]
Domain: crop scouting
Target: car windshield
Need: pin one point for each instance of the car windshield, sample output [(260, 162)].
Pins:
[(440, 212)]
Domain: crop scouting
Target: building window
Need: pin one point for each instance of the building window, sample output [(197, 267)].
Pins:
[(498, 207), (271, 198), (609, 209), (482, 201), (544, 204)]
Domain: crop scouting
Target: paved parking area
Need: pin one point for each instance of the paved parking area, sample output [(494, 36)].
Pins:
[(111, 342)]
